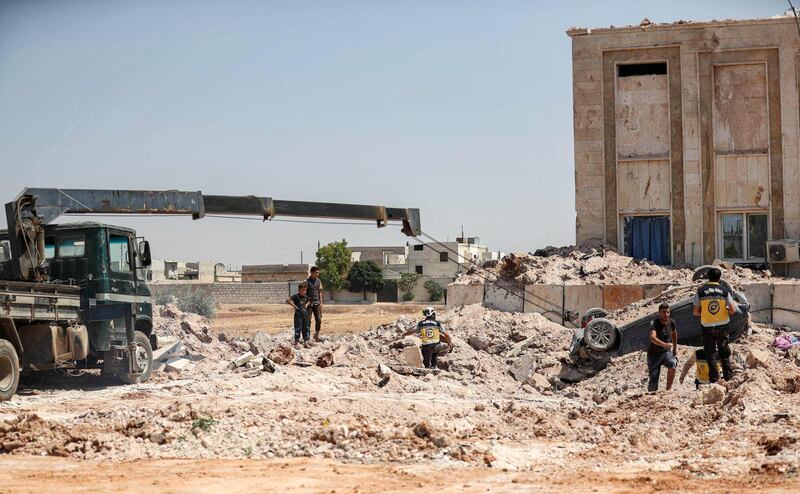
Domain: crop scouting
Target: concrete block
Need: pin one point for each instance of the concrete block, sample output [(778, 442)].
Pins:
[(786, 296), (760, 297), (243, 359), (413, 356), (168, 351), (618, 296), (178, 365)]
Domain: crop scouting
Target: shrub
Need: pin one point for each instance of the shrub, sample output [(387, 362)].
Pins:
[(407, 283), (186, 299), (435, 290)]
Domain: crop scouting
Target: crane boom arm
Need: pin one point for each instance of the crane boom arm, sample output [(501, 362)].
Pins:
[(35, 207)]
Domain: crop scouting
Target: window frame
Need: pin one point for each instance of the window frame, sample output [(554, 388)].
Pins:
[(444, 256), (131, 265), (745, 214), (419, 247), (418, 269), (76, 236)]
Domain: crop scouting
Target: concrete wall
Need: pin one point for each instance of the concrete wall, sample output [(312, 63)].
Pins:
[(348, 297), (733, 120), (233, 293), (463, 294), (786, 297)]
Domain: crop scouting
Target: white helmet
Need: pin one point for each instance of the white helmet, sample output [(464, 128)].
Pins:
[(429, 312)]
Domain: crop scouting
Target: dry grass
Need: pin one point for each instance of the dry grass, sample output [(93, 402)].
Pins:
[(245, 320)]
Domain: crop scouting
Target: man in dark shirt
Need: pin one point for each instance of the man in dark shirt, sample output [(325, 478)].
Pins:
[(300, 303), (315, 295), (663, 338)]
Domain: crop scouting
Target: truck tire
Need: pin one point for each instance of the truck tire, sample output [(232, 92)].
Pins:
[(9, 370), (600, 334), (144, 355)]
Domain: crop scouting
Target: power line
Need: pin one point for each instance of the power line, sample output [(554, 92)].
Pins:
[(486, 279), (796, 21)]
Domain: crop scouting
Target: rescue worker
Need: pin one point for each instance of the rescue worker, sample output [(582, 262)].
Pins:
[(698, 359), (431, 332), (713, 304), (663, 348)]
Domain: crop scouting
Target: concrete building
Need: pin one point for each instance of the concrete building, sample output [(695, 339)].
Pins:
[(167, 270), (260, 273), (687, 138), (382, 256), (435, 260)]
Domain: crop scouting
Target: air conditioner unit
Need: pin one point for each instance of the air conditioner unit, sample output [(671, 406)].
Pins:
[(783, 251)]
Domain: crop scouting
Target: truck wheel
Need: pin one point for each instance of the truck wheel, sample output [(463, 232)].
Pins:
[(9, 370), (600, 334), (144, 357)]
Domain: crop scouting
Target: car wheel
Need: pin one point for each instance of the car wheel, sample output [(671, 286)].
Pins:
[(593, 313), (600, 334)]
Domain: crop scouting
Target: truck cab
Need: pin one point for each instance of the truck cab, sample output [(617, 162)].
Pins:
[(108, 263)]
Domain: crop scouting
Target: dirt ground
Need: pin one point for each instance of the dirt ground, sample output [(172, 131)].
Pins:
[(342, 426), (246, 320), (305, 476)]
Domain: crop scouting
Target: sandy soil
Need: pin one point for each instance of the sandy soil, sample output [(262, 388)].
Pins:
[(246, 320), (36, 475)]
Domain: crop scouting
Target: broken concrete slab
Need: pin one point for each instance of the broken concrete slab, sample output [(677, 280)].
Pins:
[(539, 381), (523, 367), (168, 351), (757, 358), (178, 365), (413, 356)]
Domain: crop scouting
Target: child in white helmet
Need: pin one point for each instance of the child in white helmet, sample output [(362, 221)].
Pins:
[(431, 332)]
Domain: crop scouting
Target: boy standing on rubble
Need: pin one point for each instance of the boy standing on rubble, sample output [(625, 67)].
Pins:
[(663, 348), (302, 323), (430, 331)]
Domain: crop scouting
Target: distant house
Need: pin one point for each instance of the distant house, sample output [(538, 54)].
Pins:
[(259, 273)]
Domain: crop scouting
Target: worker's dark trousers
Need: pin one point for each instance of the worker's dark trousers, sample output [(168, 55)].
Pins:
[(302, 326), (430, 353), (716, 339), (316, 310)]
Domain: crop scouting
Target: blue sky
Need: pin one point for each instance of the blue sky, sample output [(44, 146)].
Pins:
[(462, 109)]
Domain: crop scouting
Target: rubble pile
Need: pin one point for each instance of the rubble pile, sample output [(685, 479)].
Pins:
[(592, 264), (356, 398)]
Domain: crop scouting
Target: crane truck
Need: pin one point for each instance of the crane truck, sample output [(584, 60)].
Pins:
[(74, 295)]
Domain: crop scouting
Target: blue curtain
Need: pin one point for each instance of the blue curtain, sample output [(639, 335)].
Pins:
[(650, 238)]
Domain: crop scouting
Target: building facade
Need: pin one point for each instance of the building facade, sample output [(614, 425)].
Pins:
[(687, 138)]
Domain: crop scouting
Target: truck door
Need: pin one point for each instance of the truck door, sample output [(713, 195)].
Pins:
[(120, 265)]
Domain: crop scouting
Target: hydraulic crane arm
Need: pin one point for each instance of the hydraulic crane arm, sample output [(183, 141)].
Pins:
[(35, 207)]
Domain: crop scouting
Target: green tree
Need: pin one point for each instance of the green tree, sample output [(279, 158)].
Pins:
[(435, 290), (365, 276), (407, 283), (333, 260)]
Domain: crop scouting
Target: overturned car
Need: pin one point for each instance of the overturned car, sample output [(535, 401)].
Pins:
[(598, 339)]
